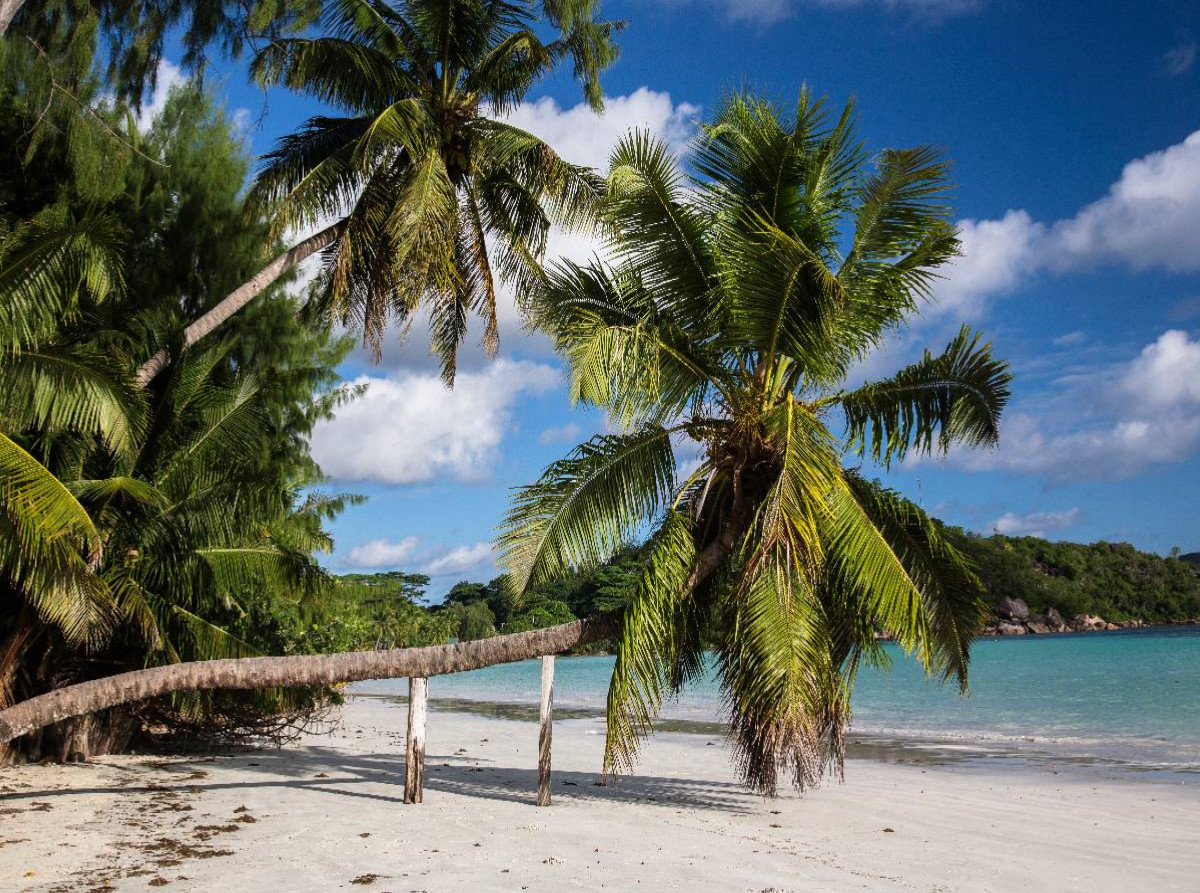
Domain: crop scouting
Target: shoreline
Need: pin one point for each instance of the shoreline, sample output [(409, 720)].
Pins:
[(961, 750), (325, 814)]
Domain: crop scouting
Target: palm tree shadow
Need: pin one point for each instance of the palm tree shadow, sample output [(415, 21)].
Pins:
[(380, 776)]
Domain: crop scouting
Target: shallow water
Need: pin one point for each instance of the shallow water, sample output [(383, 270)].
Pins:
[(1130, 697)]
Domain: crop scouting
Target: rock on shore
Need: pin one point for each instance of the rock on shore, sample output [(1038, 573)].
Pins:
[(1013, 618)]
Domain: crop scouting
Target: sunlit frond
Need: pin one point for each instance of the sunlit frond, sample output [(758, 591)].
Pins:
[(585, 506), (953, 398), (652, 643)]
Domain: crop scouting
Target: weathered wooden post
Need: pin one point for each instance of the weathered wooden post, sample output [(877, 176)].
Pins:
[(545, 730), (414, 749)]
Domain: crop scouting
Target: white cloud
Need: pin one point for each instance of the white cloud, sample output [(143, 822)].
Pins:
[(582, 136), (1035, 523), (1180, 59), (568, 433), (459, 560), (1150, 217), (995, 257), (438, 561), (381, 553), (409, 427), (1166, 374), (1070, 339), (1112, 423), (168, 76)]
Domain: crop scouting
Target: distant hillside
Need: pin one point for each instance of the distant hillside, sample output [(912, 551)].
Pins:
[(1112, 580)]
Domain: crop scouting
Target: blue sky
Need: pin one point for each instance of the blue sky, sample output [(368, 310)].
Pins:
[(1075, 132)]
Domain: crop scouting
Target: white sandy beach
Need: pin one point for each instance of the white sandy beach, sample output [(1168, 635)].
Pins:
[(326, 814)]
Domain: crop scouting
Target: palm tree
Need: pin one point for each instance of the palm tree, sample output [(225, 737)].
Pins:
[(434, 199), (126, 530), (737, 303), (50, 546)]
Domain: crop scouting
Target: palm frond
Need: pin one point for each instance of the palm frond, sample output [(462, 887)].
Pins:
[(586, 506), (953, 398), (786, 699), (652, 644), (57, 389)]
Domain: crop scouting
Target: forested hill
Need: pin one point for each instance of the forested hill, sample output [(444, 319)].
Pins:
[(1111, 580)]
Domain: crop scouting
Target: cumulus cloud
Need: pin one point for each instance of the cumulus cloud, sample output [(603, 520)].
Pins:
[(584, 137), (1035, 523), (435, 561), (996, 255), (1166, 374), (1112, 423), (1148, 220), (381, 553), (169, 75), (409, 427), (459, 560)]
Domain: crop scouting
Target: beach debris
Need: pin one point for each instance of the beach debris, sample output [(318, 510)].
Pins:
[(889, 830), (365, 879)]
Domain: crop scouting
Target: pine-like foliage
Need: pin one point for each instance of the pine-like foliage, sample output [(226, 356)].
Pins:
[(738, 299), (440, 201)]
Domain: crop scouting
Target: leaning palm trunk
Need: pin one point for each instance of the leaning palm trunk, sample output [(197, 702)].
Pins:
[(241, 296), (282, 672), (8, 11)]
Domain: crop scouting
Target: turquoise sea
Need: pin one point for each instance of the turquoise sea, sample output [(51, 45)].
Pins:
[(1130, 697)]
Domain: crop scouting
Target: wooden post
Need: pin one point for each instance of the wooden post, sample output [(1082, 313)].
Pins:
[(545, 730), (414, 750)]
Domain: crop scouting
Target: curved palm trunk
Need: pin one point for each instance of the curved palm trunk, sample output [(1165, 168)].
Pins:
[(239, 297), (283, 672), (8, 11)]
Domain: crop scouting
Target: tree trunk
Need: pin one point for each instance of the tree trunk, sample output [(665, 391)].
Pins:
[(545, 730), (239, 297), (8, 10), (414, 746), (284, 672)]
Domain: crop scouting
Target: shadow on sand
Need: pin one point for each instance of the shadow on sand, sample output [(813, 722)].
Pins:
[(380, 777)]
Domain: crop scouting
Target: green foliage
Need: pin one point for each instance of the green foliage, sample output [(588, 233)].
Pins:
[(134, 523), (438, 200), (740, 296), (1112, 580), (132, 32), (386, 610)]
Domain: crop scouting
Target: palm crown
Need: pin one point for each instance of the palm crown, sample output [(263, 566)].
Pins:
[(736, 302), (439, 200)]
